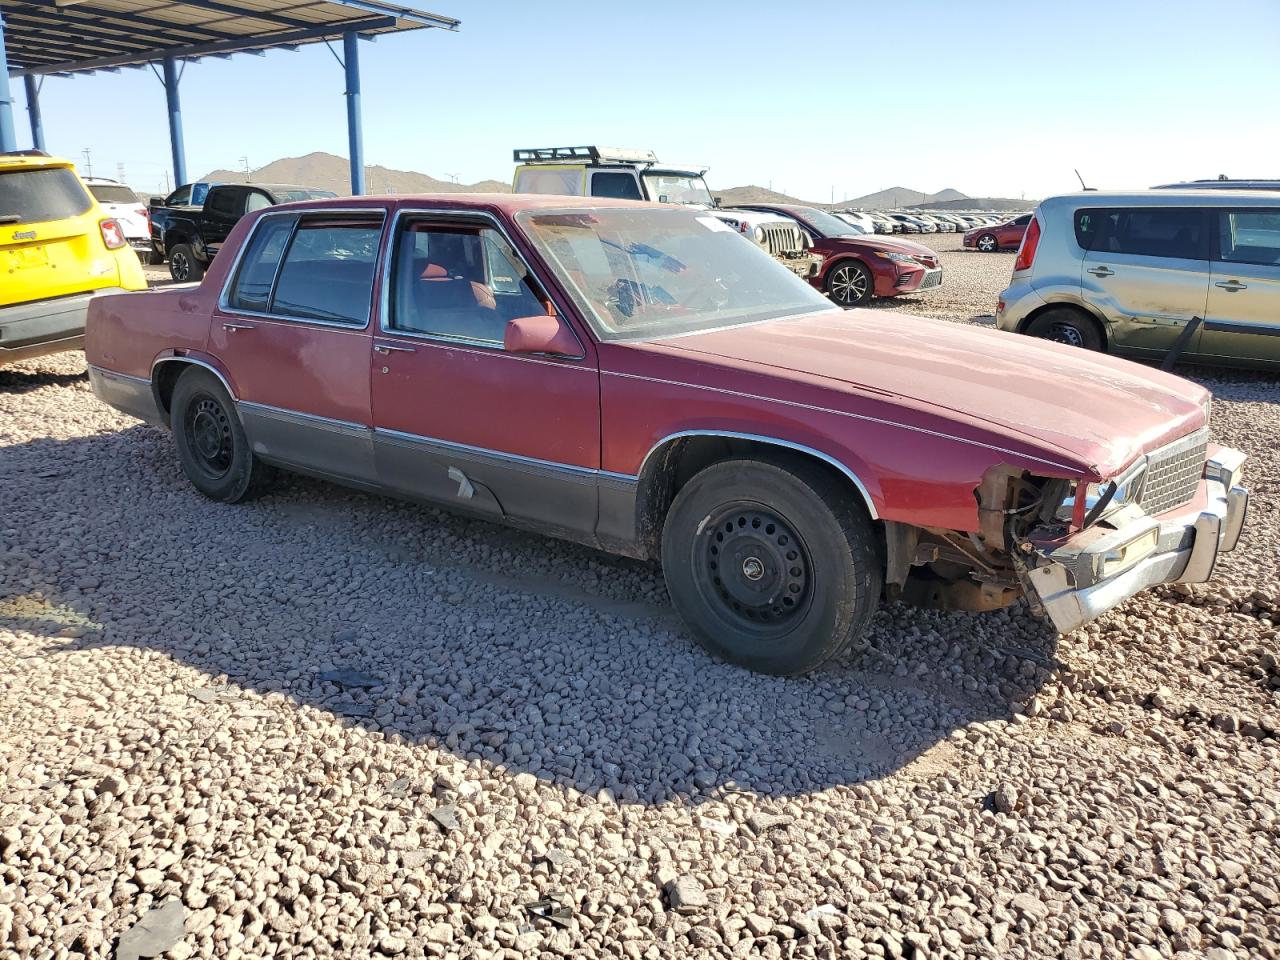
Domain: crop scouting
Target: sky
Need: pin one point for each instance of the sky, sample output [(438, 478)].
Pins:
[(996, 98)]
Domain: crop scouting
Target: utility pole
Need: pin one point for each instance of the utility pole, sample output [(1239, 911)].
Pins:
[(244, 162), (88, 162), (120, 172)]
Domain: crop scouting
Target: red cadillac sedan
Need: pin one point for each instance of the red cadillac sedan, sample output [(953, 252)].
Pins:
[(643, 379), (857, 266)]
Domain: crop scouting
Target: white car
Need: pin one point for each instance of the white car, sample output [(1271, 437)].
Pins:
[(122, 204), (862, 220)]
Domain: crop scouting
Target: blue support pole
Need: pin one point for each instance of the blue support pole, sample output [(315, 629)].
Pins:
[(8, 139), (33, 110), (355, 136), (175, 122)]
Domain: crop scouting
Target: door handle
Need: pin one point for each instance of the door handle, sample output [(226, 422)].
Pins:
[(233, 327), (386, 349), (1102, 271), (1231, 286)]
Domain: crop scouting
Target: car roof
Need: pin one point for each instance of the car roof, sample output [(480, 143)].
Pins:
[(509, 203), (1167, 198), (18, 160)]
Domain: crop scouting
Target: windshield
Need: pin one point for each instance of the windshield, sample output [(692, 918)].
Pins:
[(678, 188), (825, 224), (35, 196), (652, 273), (112, 193)]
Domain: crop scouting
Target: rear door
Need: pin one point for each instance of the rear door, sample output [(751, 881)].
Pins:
[(1243, 318), (223, 209), (1146, 270), (50, 244), (292, 328)]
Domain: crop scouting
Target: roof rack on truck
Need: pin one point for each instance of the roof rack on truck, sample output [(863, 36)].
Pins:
[(577, 154)]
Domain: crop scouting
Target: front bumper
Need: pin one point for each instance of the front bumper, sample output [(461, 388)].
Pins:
[(1072, 580), (805, 266), (46, 326)]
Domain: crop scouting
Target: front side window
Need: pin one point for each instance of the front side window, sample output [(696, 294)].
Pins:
[(655, 272), (459, 282), (179, 198), (678, 188), (37, 196), (1167, 232), (1249, 236), (316, 268), (619, 186)]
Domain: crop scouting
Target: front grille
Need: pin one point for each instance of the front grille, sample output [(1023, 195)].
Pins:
[(931, 279), (1173, 473), (781, 240)]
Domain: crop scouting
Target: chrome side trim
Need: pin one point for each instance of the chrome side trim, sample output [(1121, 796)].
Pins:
[(772, 441), (510, 458), (113, 375), (839, 413), (309, 419), (199, 363), (298, 216)]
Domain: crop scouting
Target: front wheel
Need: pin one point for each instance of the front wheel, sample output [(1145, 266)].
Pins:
[(183, 265), (850, 284), (772, 566), (212, 446), (988, 243)]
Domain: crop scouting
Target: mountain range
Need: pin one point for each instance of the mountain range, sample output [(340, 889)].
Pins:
[(330, 172)]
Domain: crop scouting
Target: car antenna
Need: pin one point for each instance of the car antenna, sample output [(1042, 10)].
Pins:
[(1081, 179)]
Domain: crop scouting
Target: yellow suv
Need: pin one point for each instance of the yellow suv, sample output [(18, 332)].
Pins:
[(57, 252)]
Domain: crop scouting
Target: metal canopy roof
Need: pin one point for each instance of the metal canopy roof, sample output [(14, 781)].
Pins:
[(70, 36)]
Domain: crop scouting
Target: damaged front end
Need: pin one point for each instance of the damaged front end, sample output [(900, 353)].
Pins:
[(1076, 549)]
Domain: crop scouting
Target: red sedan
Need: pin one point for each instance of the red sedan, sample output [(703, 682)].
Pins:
[(857, 266), (642, 379), (1002, 236)]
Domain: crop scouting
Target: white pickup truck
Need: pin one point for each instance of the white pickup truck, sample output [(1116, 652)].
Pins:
[(636, 175)]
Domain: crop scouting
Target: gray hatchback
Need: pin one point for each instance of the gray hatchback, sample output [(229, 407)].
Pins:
[(1196, 272)]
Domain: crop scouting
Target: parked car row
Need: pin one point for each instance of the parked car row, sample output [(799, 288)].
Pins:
[(898, 221)]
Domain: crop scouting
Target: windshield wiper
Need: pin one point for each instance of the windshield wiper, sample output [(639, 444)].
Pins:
[(10, 218)]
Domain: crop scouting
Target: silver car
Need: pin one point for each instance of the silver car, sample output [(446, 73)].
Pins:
[(1155, 274)]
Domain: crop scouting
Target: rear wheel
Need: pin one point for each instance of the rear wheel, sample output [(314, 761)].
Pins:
[(849, 284), (212, 446), (772, 566), (1069, 326), (988, 243), (183, 265)]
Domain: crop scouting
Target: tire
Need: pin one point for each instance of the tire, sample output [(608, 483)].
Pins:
[(751, 518), (212, 446), (850, 284), (154, 259), (987, 243), (183, 265), (1067, 325)]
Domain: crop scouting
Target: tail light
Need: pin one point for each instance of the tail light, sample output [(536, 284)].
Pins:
[(1027, 252), (112, 234)]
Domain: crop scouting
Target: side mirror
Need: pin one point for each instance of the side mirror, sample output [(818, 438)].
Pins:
[(719, 202), (541, 334)]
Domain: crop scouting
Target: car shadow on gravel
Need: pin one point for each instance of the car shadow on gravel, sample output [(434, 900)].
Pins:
[(24, 381), (518, 651)]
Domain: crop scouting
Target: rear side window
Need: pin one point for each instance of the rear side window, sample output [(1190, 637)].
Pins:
[(1249, 236), (619, 186), (328, 270), (35, 196), (225, 203), (563, 181), (313, 269), (1172, 232), (252, 288)]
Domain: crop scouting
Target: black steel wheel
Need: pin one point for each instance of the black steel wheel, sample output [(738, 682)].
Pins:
[(211, 443), (850, 284), (773, 564)]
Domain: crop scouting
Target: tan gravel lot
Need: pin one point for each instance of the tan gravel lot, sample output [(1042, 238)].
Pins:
[(527, 756)]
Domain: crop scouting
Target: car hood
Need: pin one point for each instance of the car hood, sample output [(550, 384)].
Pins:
[(872, 242), (1100, 412)]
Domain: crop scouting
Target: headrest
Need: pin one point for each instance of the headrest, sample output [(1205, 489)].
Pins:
[(435, 272)]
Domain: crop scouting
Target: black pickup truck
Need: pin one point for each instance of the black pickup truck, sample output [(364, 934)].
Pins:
[(189, 236)]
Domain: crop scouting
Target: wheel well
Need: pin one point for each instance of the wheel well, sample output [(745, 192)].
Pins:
[(164, 378), (668, 468), (1087, 314), (836, 261)]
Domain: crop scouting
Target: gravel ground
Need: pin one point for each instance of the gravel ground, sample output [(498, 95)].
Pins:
[(523, 754)]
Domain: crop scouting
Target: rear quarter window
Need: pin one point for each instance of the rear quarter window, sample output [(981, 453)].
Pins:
[(37, 196), (1164, 232)]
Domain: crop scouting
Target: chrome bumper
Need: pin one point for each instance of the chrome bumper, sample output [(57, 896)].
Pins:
[(1071, 582)]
